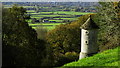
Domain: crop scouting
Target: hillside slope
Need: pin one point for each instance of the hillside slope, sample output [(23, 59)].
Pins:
[(106, 58)]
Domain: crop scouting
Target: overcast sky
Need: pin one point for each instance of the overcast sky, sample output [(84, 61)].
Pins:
[(48, 0)]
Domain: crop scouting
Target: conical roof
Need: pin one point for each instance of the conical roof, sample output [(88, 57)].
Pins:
[(89, 24)]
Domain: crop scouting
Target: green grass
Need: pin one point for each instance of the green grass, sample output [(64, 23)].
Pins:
[(57, 20), (29, 21), (52, 25), (33, 12), (62, 12), (55, 14), (72, 12), (45, 12), (46, 15), (106, 58), (30, 10), (7, 6), (36, 17), (67, 18), (28, 6), (48, 26)]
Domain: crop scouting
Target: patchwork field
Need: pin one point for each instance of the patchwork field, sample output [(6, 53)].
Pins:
[(47, 26), (53, 17)]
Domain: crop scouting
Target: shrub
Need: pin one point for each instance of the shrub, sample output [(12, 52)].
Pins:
[(72, 56)]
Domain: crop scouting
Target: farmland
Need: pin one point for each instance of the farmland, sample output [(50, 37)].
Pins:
[(47, 26), (57, 16), (53, 18), (53, 13)]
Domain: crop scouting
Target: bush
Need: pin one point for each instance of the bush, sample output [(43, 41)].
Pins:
[(66, 58), (72, 56)]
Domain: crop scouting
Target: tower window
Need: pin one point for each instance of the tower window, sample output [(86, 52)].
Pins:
[(86, 32)]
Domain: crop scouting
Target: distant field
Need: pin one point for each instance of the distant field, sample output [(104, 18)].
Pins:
[(46, 15), (57, 16), (57, 20), (64, 15), (48, 26), (61, 12), (7, 6), (28, 6), (29, 20), (72, 13), (67, 18), (36, 17), (30, 10), (33, 6), (45, 12)]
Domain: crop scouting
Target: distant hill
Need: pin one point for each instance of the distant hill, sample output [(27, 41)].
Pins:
[(106, 58)]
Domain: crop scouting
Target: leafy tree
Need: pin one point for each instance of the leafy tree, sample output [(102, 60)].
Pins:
[(36, 9), (109, 22), (48, 60), (66, 21), (77, 9), (33, 20), (20, 44), (66, 9)]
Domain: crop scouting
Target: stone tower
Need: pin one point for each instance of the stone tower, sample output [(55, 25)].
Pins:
[(88, 38)]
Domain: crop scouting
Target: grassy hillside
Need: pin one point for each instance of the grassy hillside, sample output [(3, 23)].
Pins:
[(106, 58)]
